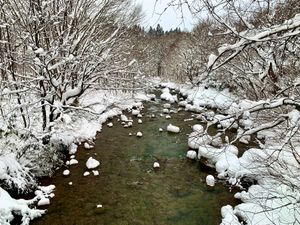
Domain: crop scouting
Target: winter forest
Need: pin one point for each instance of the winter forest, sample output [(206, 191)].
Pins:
[(106, 121)]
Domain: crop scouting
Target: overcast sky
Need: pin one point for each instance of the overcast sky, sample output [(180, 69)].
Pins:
[(171, 18)]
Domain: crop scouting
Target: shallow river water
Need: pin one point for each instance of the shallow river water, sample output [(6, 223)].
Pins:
[(129, 189)]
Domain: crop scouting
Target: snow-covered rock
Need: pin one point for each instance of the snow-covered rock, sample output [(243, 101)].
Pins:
[(138, 105), (167, 105), (110, 124), (86, 173), (166, 95), (73, 162), (166, 111), (129, 124), (73, 149), (92, 163), (182, 103), (139, 134), (161, 130), (88, 146), (140, 121), (139, 116), (217, 142), (197, 139), (210, 180), (198, 128), (135, 112), (168, 117), (191, 154), (66, 172), (95, 172), (124, 118), (173, 129), (43, 201), (228, 216), (156, 165)]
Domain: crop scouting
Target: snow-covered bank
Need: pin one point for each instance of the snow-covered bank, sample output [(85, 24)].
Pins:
[(24, 158), (8, 206), (274, 165)]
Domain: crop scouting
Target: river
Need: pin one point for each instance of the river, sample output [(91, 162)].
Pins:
[(130, 191)]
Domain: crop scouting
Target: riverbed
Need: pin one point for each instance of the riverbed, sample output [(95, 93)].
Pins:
[(128, 191)]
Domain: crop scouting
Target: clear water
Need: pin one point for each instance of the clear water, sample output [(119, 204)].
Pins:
[(130, 190)]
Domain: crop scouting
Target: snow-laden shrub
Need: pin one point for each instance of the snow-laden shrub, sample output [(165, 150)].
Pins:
[(23, 157), (13, 174), (8, 206)]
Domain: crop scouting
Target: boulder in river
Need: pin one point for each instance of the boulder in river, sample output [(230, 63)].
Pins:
[(173, 129), (92, 163)]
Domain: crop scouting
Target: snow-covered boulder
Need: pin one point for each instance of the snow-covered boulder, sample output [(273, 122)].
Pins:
[(156, 165), (124, 118), (160, 130), (168, 117), (217, 142), (95, 172), (167, 106), (92, 163), (138, 105), (73, 162), (73, 149), (139, 134), (197, 139), (110, 124), (140, 121), (182, 103), (173, 129), (228, 216), (166, 95), (66, 172), (135, 112), (43, 202), (198, 128), (88, 146), (210, 180), (191, 154), (86, 173), (166, 111)]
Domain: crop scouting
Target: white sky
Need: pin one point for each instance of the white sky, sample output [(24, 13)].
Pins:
[(171, 18)]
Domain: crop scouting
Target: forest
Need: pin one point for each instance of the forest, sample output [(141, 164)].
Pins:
[(69, 66)]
